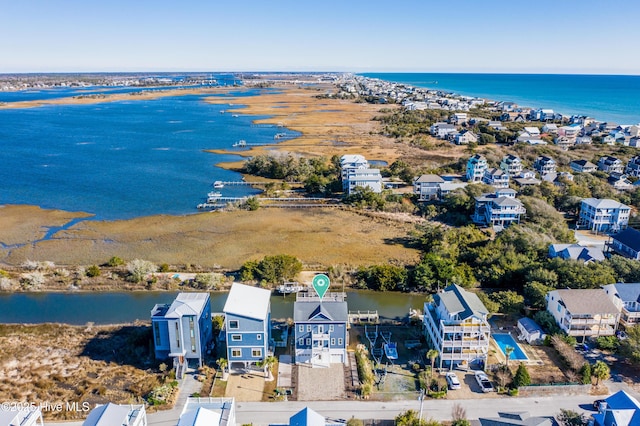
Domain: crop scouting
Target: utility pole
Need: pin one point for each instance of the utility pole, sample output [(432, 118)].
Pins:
[(421, 399)]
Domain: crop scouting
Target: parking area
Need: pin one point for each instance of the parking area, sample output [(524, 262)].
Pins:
[(320, 383)]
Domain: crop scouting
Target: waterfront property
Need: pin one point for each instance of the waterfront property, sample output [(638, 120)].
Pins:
[(496, 178), (603, 215), (456, 325), (530, 331), (355, 172), (626, 296), (321, 336), (505, 340), (625, 243), (352, 162), (583, 312), (113, 414), (499, 209), (182, 330), (208, 411), (633, 167), (248, 325), (26, 416)]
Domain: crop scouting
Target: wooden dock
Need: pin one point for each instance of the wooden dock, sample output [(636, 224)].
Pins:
[(364, 316), (242, 182)]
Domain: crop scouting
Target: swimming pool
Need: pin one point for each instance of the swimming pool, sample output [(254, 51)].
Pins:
[(503, 340)]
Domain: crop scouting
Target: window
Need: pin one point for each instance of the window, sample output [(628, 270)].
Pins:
[(301, 341), (156, 331), (301, 328), (177, 335), (308, 327), (236, 353), (234, 324), (236, 337), (333, 341), (331, 328), (256, 352), (308, 341), (559, 308), (259, 336), (192, 333), (340, 341)]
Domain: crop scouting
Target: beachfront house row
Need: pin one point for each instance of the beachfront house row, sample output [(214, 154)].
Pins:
[(321, 336), (603, 215), (583, 166), (496, 178), (626, 296), (625, 243), (113, 414), (499, 209), (544, 165), (633, 167), (583, 312), (426, 187), (609, 164), (182, 330), (363, 178), (456, 325), (511, 165), (248, 325), (476, 166)]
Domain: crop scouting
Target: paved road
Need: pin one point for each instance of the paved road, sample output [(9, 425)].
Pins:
[(263, 413)]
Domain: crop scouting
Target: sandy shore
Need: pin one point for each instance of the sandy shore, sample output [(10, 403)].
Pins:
[(318, 237)]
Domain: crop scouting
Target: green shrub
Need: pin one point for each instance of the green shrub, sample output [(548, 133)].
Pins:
[(93, 271), (115, 261)]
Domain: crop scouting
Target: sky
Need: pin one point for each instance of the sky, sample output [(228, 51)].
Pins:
[(495, 36)]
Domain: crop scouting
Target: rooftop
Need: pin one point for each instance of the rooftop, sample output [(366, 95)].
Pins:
[(587, 301), (248, 301), (458, 301), (629, 237), (333, 311)]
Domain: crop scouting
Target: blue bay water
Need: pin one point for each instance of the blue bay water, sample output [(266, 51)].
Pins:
[(120, 160), (604, 97)]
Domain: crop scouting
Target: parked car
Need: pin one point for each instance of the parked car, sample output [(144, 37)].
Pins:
[(452, 380), (483, 381)]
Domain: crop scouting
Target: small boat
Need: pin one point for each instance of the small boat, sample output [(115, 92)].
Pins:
[(290, 287), (214, 194), (240, 143), (280, 136), (218, 184), (235, 115), (391, 350)]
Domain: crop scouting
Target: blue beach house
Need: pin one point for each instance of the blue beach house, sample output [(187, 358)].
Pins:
[(248, 323), (182, 330), (320, 329)]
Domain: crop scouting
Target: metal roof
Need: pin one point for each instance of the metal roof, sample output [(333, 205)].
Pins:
[(333, 311), (248, 301)]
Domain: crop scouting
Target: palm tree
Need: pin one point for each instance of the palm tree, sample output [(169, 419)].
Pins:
[(432, 354), (268, 364), (223, 363), (508, 350), (600, 371)]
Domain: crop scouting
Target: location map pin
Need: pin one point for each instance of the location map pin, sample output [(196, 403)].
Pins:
[(320, 284)]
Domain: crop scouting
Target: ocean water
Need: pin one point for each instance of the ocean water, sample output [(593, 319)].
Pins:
[(119, 160), (604, 97)]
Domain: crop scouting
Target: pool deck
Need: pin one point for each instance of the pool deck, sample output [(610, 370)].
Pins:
[(532, 358)]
